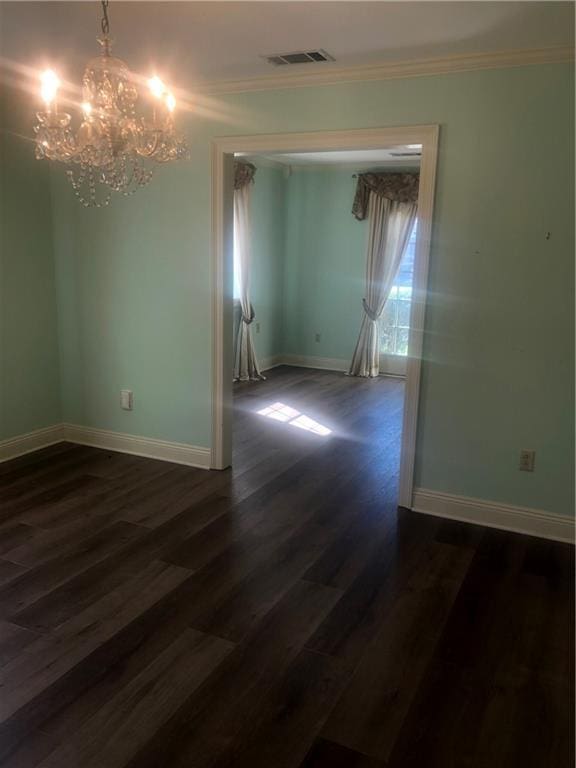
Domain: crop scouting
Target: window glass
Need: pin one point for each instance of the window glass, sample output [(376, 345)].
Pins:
[(395, 319)]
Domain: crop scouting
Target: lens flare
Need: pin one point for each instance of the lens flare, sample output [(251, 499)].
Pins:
[(156, 86), (50, 83), (170, 102)]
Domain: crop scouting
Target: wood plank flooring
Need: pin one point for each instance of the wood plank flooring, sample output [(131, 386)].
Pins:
[(283, 614)]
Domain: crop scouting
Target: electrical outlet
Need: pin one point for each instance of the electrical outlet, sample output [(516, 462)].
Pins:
[(126, 399), (527, 459), (257, 327), (317, 337)]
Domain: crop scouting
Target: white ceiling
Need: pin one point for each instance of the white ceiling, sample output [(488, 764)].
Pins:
[(359, 159), (190, 41)]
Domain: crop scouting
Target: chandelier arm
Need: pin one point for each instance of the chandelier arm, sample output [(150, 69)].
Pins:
[(150, 152)]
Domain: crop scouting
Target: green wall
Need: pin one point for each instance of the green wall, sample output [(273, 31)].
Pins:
[(268, 208), (325, 262), (29, 381), (133, 299), (134, 279)]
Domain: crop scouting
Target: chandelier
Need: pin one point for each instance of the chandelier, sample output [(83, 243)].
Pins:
[(112, 146)]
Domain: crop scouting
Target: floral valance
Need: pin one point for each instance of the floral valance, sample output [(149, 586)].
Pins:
[(243, 174), (400, 187)]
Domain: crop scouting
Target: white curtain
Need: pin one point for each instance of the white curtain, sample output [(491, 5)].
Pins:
[(245, 363), (389, 226)]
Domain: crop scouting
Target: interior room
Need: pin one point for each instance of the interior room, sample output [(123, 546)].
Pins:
[(301, 221), (287, 384)]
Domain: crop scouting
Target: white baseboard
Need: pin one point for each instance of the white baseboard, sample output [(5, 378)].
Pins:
[(308, 361), (31, 441), (533, 522), (304, 361), (177, 453), (323, 363), (271, 362)]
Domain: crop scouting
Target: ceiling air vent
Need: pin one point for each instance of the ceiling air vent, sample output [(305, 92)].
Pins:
[(406, 154), (298, 57)]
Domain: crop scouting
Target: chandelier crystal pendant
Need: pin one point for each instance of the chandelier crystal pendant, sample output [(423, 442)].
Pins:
[(110, 149)]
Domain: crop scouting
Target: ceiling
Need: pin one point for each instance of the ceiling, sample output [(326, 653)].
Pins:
[(188, 42), (358, 159)]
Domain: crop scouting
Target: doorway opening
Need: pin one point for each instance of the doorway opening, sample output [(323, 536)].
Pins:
[(305, 394)]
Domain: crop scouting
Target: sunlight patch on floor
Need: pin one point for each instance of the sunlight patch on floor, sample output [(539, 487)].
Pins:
[(282, 412)]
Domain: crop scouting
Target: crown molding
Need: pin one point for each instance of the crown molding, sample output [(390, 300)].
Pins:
[(334, 75), (350, 166), (354, 168)]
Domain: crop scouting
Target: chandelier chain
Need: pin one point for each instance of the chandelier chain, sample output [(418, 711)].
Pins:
[(105, 23)]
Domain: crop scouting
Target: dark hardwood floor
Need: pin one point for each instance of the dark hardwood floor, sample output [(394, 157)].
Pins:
[(280, 615)]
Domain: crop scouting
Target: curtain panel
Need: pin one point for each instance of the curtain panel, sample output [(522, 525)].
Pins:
[(246, 366), (390, 223)]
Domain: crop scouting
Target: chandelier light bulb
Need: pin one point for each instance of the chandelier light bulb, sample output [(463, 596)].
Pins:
[(170, 102), (87, 108), (156, 86), (49, 85)]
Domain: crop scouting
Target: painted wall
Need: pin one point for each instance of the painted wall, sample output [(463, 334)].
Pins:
[(29, 378), (134, 279), (268, 255), (133, 283), (308, 263), (325, 263)]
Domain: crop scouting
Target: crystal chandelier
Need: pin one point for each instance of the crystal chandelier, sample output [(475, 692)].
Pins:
[(108, 152)]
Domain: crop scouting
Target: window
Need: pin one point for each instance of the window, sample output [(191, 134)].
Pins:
[(395, 320)]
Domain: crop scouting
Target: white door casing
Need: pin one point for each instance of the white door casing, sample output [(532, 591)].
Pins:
[(223, 150)]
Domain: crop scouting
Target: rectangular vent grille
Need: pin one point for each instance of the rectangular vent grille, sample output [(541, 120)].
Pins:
[(298, 57), (406, 154)]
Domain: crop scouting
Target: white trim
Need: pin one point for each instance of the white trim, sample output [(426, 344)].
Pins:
[(265, 162), (266, 363), (338, 364), (417, 313), (332, 74), (222, 306), (31, 441), (352, 166), (177, 453), (322, 363), (372, 138), (312, 141), (532, 522)]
